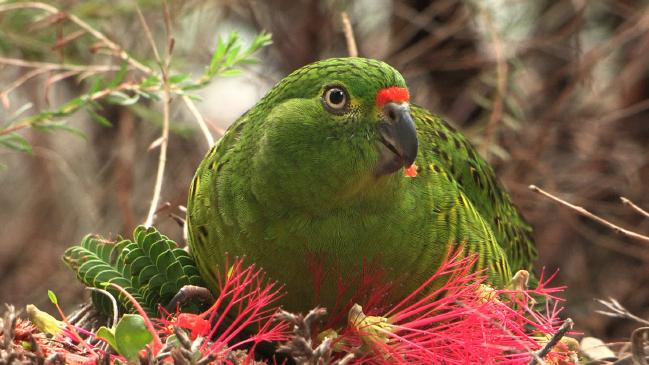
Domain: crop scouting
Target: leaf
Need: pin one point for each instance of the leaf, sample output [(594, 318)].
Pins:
[(119, 76), (96, 86), (108, 334), (99, 118), (15, 142), (52, 297), (150, 81), (51, 126), (131, 335), (229, 55), (93, 261), (176, 79), (231, 72), (120, 98), (151, 268), (155, 144)]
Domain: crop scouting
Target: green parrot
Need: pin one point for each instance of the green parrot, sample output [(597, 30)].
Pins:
[(315, 184)]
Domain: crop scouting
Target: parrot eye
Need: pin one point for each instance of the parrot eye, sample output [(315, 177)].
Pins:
[(335, 99)]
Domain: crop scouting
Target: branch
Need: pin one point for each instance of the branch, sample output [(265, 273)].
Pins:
[(501, 84), (28, 121), (617, 310), (199, 119), (590, 215), (565, 327), (349, 35), (628, 202), (162, 159), (58, 67), (83, 25), (115, 48), (21, 80)]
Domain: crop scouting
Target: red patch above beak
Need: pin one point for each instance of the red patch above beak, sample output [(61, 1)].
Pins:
[(393, 94)]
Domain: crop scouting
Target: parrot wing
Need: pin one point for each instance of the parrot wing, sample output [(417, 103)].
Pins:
[(453, 154)]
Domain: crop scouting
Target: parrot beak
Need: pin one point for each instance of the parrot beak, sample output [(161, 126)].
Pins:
[(398, 138)]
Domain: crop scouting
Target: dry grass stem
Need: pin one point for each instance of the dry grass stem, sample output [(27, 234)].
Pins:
[(633, 206), (58, 66), (166, 100), (200, 120), (83, 25), (590, 215), (352, 50), (501, 85), (617, 310)]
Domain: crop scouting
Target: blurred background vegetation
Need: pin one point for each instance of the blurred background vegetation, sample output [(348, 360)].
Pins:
[(553, 92)]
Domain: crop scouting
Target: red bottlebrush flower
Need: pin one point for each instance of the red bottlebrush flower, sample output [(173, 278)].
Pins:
[(194, 323), (453, 318), (371, 286), (245, 303)]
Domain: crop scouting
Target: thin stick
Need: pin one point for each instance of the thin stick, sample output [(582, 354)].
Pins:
[(590, 215), (148, 34), (349, 35), (199, 119), (57, 66), (162, 158), (628, 202), (188, 102), (110, 45), (24, 123), (23, 79), (617, 310), (501, 84), (83, 25), (565, 327)]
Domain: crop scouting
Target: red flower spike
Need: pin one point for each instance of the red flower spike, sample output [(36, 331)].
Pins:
[(245, 298), (393, 94), (197, 325), (456, 324), (245, 302)]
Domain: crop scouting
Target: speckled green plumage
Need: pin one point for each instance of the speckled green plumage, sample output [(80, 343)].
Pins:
[(292, 183)]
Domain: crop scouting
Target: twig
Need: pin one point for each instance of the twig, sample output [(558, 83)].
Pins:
[(565, 327), (199, 119), (83, 25), (628, 202), (148, 34), (23, 79), (24, 123), (162, 159), (117, 50), (590, 215), (112, 301), (349, 35), (58, 66), (501, 84), (190, 104), (617, 310)]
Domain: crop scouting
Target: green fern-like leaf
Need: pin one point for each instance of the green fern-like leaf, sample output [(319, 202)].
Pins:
[(151, 268)]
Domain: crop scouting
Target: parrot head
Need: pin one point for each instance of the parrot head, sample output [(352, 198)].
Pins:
[(335, 129)]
